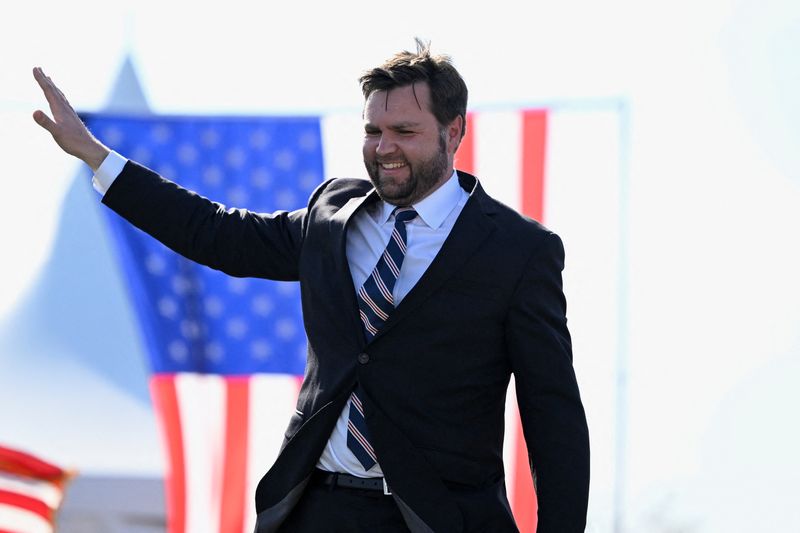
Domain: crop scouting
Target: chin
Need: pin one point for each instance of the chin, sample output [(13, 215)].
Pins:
[(395, 195), (393, 187)]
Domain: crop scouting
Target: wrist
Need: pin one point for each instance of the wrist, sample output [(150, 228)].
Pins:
[(95, 156)]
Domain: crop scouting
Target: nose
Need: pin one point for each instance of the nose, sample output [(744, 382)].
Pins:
[(386, 146)]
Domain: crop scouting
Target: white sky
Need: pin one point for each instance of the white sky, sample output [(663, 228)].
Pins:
[(712, 88)]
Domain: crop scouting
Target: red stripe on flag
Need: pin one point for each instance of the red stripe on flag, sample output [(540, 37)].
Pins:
[(24, 464), (524, 505), (234, 479), (21, 501), (534, 144), (165, 398), (465, 156)]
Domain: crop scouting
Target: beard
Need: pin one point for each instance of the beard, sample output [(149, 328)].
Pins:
[(423, 176)]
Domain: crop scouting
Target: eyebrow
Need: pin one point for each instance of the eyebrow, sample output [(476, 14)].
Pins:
[(403, 125), (395, 126)]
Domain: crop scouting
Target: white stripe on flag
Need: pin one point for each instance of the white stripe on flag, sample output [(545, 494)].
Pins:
[(498, 157), (272, 401), (41, 490), (16, 519), (201, 401)]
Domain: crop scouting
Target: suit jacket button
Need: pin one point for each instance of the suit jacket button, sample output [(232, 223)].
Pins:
[(363, 358)]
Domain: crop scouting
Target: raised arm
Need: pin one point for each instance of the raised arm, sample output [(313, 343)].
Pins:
[(235, 241), (66, 127)]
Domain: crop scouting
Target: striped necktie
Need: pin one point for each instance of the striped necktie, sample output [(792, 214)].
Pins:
[(375, 303)]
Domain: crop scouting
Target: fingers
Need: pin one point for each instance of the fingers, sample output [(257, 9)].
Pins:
[(43, 120), (46, 85), (39, 76), (58, 103)]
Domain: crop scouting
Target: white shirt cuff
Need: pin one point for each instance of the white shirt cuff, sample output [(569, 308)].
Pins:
[(109, 169)]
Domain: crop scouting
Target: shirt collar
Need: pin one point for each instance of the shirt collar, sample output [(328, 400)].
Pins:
[(432, 209)]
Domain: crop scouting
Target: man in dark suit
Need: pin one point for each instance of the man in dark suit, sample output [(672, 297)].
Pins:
[(421, 296)]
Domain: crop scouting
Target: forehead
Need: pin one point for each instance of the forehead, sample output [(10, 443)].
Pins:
[(410, 102)]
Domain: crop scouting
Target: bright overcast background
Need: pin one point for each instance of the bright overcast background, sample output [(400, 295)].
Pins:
[(713, 91)]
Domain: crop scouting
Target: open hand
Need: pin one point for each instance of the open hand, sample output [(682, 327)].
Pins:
[(66, 127)]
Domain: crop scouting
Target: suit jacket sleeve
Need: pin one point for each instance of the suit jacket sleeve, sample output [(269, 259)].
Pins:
[(235, 241), (550, 407)]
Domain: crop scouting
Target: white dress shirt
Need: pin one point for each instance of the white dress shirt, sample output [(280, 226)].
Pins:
[(368, 233)]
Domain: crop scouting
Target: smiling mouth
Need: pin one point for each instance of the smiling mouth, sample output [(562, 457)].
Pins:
[(392, 166)]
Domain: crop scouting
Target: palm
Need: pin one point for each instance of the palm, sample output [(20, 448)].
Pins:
[(66, 127)]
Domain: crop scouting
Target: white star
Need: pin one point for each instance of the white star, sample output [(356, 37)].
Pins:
[(260, 178), (260, 349), (284, 159), (155, 264), (236, 157), (209, 138), (160, 133), (187, 154), (215, 351), (212, 175), (167, 307), (236, 328), (237, 285), (259, 139), (285, 329), (190, 329), (214, 306), (262, 305), (181, 285), (178, 351)]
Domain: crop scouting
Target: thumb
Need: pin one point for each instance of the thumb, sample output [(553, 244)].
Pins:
[(43, 120)]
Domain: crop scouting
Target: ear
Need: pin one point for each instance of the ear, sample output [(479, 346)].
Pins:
[(454, 130)]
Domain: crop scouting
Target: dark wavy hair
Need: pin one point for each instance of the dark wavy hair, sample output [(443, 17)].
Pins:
[(448, 90)]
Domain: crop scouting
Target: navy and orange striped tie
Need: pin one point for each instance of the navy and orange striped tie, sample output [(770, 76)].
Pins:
[(375, 303)]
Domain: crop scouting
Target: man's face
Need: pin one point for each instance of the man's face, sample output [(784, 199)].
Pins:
[(407, 154)]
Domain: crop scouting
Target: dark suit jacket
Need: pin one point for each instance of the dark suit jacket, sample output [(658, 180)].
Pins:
[(434, 377)]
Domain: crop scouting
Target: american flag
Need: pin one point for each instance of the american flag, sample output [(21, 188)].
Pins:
[(227, 354), (31, 491)]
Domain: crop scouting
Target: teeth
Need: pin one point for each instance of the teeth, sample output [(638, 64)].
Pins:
[(392, 165)]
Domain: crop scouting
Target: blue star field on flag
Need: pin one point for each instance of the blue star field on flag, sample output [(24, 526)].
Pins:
[(193, 318)]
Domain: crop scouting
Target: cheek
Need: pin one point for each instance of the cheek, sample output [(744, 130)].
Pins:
[(368, 148)]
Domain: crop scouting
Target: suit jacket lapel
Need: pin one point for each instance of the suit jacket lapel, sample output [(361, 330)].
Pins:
[(473, 226), (343, 278)]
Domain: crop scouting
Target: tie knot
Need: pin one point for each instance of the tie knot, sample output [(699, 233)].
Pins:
[(404, 214)]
